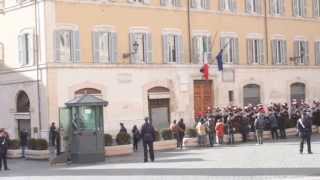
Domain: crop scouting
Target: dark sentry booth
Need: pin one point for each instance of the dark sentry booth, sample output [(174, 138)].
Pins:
[(81, 123)]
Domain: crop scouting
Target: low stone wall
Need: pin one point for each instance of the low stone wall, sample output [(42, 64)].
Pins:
[(14, 153), (120, 150), (37, 154)]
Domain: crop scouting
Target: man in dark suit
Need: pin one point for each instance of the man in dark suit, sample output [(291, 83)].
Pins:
[(148, 137), (304, 126), (4, 143)]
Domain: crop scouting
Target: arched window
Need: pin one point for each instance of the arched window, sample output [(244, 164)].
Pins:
[(251, 94), (91, 91), (23, 103), (298, 92)]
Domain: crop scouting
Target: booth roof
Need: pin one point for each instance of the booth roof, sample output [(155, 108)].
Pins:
[(86, 100)]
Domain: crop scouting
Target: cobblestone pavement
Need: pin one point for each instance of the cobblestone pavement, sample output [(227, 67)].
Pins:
[(280, 160)]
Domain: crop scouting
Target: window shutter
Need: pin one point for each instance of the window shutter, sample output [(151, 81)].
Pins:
[(147, 1), (193, 3), (295, 7), (113, 54), (274, 51), (179, 49), (195, 50), (178, 3), (75, 46), (284, 51), (304, 8), (222, 5), (282, 7), (207, 4), (163, 2), (236, 50), (57, 56), (147, 48), (21, 52), (30, 49), (317, 52), (95, 46), (233, 5), (271, 7), (249, 51), (295, 49), (132, 39), (248, 6), (259, 6), (261, 51), (316, 10), (165, 48), (209, 50), (130, 1), (306, 50)]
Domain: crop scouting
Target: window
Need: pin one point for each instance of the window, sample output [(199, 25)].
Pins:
[(251, 94), (67, 46), (201, 50), (299, 8), (301, 52), (279, 52), (253, 6), (1, 53), (298, 92), (230, 46), (200, 4), (255, 51), (227, 5), (276, 7), (172, 48), (170, 3), (140, 1), (317, 52), (316, 8), (143, 53), (104, 46), (26, 48)]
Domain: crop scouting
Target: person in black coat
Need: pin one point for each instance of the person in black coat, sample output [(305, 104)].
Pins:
[(136, 137), (304, 126), (23, 141), (52, 134), (148, 136), (181, 131), (4, 143)]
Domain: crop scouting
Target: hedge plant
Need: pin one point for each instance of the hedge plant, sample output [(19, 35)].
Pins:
[(14, 144), (191, 132), (123, 138), (38, 144), (166, 134), (107, 140)]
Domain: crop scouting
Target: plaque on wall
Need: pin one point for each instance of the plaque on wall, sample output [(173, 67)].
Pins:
[(228, 75), (124, 78)]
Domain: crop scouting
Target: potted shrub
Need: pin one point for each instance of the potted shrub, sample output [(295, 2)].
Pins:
[(14, 150), (123, 147), (37, 149), (107, 140), (191, 139), (168, 141)]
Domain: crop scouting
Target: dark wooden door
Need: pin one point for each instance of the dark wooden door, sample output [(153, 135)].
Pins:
[(203, 96)]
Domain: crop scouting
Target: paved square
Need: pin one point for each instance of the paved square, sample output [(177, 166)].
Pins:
[(280, 160)]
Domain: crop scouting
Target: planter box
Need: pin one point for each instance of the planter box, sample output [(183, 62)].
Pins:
[(190, 142), (120, 150), (37, 154), (314, 129), (165, 145), (14, 153)]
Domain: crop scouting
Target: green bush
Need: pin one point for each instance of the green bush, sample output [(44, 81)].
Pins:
[(166, 134), (14, 144), (107, 140), (38, 144), (192, 132), (123, 138), (291, 123)]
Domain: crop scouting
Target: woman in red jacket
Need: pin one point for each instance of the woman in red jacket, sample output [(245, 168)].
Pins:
[(220, 131)]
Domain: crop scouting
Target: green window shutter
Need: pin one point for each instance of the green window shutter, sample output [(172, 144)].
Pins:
[(179, 48), (113, 54), (249, 51), (95, 46), (317, 52), (306, 50), (236, 50), (274, 51), (222, 5), (165, 48), (75, 46), (261, 51), (248, 6), (147, 48)]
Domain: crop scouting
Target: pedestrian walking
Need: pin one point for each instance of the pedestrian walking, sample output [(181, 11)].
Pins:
[(304, 126), (136, 137), (148, 136), (211, 131), (181, 132), (123, 129), (201, 130), (23, 141), (244, 127), (283, 119), (4, 143), (230, 129), (274, 126), (220, 131), (259, 125), (52, 134), (174, 131)]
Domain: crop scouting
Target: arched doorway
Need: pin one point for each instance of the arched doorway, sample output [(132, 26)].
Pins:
[(23, 112), (298, 92), (159, 106), (251, 94)]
